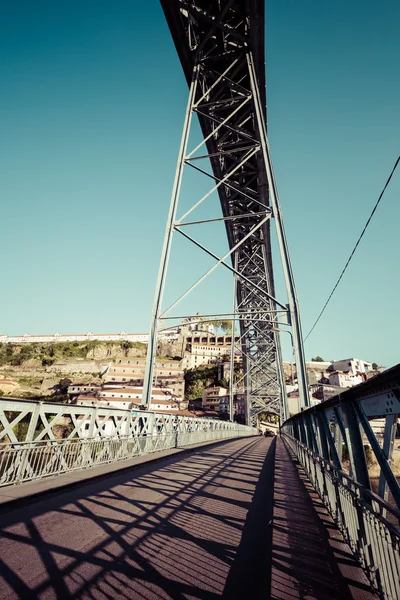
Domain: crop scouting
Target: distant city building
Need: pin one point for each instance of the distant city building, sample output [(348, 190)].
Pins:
[(168, 334), (330, 378), (83, 388), (239, 405), (355, 366), (130, 397), (74, 337), (167, 372), (349, 372), (211, 396), (197, 324), (324, 391), (204, 348), (161, 398), (345, 380), (293, 402), (207, 354)]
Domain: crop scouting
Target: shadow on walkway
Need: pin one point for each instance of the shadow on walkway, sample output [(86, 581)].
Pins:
[(249, 576), (309, 556), (165, 530), (197, 526)]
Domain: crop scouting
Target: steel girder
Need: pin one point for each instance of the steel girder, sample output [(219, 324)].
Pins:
[(221, 48)]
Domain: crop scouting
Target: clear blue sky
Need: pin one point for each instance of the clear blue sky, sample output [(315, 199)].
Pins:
[(91, 113)]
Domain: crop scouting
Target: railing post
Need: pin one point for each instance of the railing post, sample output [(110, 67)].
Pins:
[(355, 445), (330, 447), (30, 434), (338, 443), (312, 440), (380, 456), (388, 443), (92, 423), (322, 434), (303, 434)]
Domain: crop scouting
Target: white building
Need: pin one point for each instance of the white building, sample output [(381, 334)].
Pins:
[(239, 404), (74, 337), (207, 354), (162, 399), (345, 380), (293, 403), (352, 365), (75, 389), (130, 370), (210, 397), (196, 324)]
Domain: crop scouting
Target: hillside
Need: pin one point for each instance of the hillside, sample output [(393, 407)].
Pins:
[(41, 370)]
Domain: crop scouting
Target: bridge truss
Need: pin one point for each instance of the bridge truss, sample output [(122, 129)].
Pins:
[(221, 48)]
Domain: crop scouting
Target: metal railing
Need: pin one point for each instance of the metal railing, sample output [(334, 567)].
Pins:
[(366, 521), (336, 444), (93, 436)]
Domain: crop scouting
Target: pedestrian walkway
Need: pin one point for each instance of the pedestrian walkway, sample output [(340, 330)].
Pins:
[(309, 556), (201, 525)]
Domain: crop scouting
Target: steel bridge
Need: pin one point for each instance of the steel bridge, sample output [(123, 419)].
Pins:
[(148, 505), (97, 502), (221, 48)]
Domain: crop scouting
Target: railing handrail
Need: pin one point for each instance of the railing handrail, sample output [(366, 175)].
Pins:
[(360, 515), (362, 493)]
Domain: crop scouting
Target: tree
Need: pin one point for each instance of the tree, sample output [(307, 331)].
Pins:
[(374, 366), (223, 383), (224, 324), (64, 384), (126, 345), (317, 359), (47, 361)]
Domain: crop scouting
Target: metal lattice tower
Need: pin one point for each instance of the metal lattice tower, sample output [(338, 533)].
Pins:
[(221, 47)]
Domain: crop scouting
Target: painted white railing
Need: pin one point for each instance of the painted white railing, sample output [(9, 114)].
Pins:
[(38, 439)]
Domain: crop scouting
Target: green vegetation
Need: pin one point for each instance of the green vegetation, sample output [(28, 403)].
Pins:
[(223, 383), (268, 418), (197, 379), (30, 382), (224, 324), (126, 345), (369, 456), (48, 353), (374, 366), (317, 359)]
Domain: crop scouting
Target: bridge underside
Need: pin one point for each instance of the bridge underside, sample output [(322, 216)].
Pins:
[(221, 48)]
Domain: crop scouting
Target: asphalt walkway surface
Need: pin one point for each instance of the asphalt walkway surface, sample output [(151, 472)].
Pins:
[(202, 525)]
